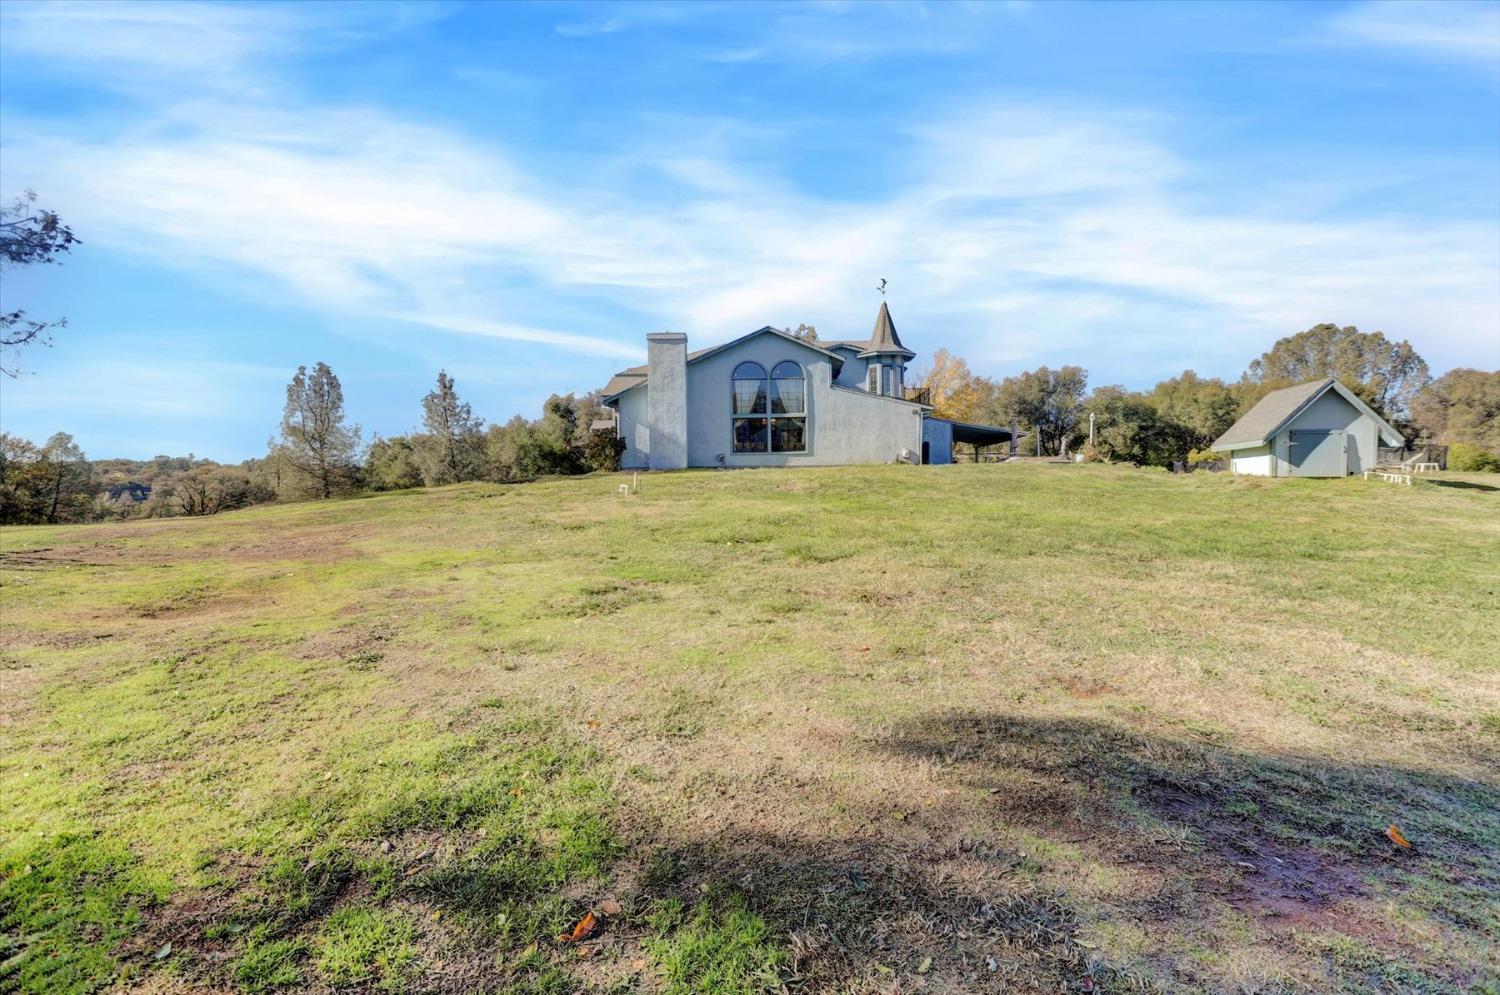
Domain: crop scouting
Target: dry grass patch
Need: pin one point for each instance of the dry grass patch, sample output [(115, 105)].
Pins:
[(1067, 727)]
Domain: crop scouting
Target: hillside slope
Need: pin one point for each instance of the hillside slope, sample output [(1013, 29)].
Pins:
[(973, 728)]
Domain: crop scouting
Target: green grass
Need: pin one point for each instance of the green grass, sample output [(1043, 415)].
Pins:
[(840, 729), (727, 950), (358, 944)]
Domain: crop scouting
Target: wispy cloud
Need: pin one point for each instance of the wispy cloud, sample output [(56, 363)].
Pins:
[(208, 46), (1462, 32), (1015, 228)]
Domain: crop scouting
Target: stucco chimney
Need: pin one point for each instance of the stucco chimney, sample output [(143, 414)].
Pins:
[(666, 400)]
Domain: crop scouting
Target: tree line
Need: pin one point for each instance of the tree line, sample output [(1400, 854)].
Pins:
[(317, 453), (1179, 418)]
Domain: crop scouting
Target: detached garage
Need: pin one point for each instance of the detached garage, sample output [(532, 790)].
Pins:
[(1315, 429)]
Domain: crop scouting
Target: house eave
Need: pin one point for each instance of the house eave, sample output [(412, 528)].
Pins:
[(1230, 447)]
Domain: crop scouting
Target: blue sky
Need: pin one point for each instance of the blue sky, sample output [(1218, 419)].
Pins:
[(519, 193)]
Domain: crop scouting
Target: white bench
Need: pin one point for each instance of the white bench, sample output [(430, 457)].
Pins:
[(1390, 476)]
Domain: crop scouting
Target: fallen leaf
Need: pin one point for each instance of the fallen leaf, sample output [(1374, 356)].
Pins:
[(925, 966), (586, 927), (164, 952), (609, 907), (1397, 838), (638, 964)]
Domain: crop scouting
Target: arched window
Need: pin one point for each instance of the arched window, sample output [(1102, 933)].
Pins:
[(751, 433), (788, 408), (769, 414)]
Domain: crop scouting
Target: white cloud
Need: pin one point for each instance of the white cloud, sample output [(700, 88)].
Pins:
[(204, 46), (1468, 33), (1030, 230)]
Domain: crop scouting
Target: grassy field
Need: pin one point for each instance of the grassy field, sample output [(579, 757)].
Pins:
[(1015, 729)]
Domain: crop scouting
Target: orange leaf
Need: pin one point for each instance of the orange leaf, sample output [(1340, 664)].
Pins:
[(586, 928), (1397, 838)]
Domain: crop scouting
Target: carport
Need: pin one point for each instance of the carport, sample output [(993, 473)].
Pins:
[(941, 435)]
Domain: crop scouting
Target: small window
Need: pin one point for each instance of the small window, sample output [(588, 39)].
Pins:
[(872, 380)]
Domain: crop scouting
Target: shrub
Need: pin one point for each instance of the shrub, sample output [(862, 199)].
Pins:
[(1465, 457)]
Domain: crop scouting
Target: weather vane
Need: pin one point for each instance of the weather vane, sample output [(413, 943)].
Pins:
[(881, 288)]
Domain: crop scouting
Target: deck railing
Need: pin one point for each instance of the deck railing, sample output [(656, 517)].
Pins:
[(920, 395)]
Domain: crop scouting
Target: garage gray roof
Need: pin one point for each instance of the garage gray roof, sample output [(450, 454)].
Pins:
[(1267, 417)]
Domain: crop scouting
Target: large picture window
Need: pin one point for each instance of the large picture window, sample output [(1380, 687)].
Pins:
[(769, 413)]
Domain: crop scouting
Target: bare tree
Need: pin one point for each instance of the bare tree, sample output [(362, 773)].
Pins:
[(29, 235)]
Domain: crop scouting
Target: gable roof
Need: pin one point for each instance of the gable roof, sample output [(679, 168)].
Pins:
[(636, 375), (1271, 414), (884, 337)]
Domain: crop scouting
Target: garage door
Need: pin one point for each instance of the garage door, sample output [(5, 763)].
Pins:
[(1318, 454)]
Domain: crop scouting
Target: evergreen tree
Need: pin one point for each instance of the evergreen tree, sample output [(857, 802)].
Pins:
[(452, 447), (315, 441)]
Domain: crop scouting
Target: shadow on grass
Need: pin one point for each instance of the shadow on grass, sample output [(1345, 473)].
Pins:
[(960, 895), (1467, 485), (970, 892)]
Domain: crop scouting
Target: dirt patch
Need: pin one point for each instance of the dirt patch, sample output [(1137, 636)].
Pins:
[(1288, 843), (319, 545), (359, 645), (1083, 688)]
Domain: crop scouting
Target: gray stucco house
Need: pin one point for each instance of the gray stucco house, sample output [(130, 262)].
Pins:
[(1315, 429), (771, 399)]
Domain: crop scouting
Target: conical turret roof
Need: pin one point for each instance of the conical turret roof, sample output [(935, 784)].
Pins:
[(884, 338)]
